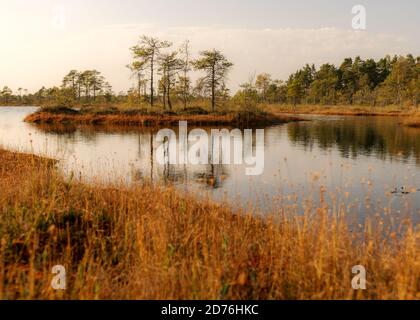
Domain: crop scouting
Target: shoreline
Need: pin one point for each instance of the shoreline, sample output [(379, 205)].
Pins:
[(343, 110), (270, 115)]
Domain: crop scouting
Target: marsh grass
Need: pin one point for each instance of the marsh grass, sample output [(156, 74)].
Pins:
[(343, 110), (150, 242), (154, 118), (263, 114)]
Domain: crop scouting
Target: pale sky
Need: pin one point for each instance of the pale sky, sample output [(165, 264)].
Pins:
[(42, 40)]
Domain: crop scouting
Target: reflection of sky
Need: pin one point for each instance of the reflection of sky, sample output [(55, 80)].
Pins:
[(292, 171)]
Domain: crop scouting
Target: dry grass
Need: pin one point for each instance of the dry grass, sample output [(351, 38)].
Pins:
[(156, 120), (145, 242), (343, 110)]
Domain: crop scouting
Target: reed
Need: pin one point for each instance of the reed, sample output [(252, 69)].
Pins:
[(342, 110), (151, 242)]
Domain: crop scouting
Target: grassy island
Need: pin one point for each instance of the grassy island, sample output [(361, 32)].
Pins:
[(155, 118)]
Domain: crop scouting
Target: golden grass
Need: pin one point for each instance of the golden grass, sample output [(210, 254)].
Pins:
[(155, 120), (150, 242), (342, 110)]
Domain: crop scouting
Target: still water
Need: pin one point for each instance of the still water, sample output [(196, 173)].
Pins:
[(366, 165)]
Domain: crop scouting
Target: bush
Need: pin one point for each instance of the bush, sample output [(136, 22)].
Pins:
[(193, 111), (99, 110), (58, 109)]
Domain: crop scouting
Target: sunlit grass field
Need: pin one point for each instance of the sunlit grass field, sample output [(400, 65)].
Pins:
[(355, 110), (151, 242)]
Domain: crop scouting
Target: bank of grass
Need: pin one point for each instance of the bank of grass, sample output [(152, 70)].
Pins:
[(150, 242), (147, 117), (342, 110)]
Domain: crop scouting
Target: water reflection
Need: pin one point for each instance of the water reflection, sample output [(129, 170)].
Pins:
[(144, 166), (382, 137), (353, 163)]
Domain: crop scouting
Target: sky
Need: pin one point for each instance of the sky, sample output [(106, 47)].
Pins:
[(42, 40)]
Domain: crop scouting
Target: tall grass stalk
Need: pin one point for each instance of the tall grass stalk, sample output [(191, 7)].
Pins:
[(150, 242)]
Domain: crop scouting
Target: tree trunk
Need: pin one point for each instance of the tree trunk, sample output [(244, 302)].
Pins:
[(139, 86), (164, 93), (213, 90), (74, 89), (169, 95), (185, 90), (151, 82)]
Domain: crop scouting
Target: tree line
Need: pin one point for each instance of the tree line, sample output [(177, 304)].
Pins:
[(162, 75), (87, 85), (388, 81), (77, 87)]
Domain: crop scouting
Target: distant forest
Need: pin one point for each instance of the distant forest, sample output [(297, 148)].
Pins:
[(162, 77)]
